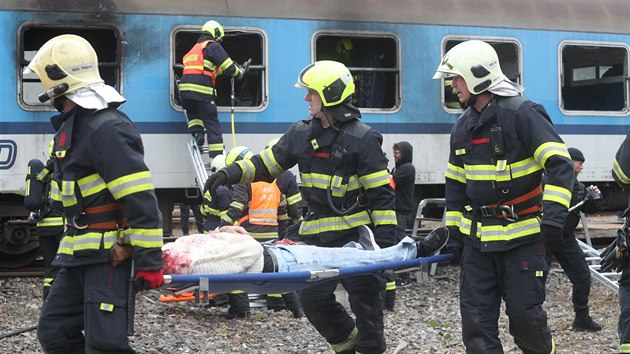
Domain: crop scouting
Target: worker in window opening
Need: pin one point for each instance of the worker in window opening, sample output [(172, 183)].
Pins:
[(570, 254), (102, 185), (615, 256), (213, 209), (345, 183), (494, 200), (202, 64), (50, 222)]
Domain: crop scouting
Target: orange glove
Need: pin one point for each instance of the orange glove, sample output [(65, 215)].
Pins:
[(149, 279)]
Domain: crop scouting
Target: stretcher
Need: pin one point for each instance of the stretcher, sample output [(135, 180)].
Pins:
[(282, 282)]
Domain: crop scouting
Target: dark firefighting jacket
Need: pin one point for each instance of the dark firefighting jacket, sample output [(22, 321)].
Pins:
[(213, 210), (493, 179), (202, 64), (343, 165), (104, 188), (621, 165)]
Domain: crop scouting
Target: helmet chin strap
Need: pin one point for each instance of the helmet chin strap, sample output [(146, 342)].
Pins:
[(330, 123), (471, 101)]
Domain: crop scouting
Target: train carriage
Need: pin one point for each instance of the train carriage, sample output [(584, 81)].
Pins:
[(572, 56)]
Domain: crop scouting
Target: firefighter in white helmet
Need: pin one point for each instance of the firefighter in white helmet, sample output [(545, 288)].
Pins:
[(345, 184), (103, 187), (499, 149)]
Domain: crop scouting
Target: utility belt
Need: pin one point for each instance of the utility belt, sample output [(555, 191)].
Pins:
[(511, 210), (103, 218)]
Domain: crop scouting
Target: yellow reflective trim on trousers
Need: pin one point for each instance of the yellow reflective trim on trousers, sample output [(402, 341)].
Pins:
[(274, 295), (48, 282), (511, 231), (216, 147), (453, 218), (618, 171), (106, 307), (455, 173), (51, 221), (375, 180), (391, 285), (248, 170), (294, 199), (334, 223), (546, 150), (146, 238), (384, 217), (130, 184), (557, 194), (42, 174), (347, 343), (68, 197), (195, 122), (270, 162), (55, 194), (91, 184), (624, 348), (236, 292), (198, 88)]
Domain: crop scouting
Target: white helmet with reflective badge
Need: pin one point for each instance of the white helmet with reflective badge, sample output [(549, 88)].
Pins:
[(476, 61)]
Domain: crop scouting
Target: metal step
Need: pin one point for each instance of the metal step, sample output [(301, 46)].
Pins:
[(609, 279), (201, 171)]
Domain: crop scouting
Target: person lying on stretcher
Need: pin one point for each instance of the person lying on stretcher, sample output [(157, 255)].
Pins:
[(231, 250)]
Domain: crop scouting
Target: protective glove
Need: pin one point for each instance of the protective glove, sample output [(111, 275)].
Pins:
[(227, 175), (241, 72), (615, 255), (551, 236), (199, 138), (149, 279), (219, 178)]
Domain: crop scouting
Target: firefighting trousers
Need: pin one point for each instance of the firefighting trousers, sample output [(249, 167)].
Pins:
[(573, 262), (93, 298), (48, 245), (205, 111), (332, 321), (515, 276), (624, 314)]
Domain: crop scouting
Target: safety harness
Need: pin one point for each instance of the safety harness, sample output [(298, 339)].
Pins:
[(102, 217)]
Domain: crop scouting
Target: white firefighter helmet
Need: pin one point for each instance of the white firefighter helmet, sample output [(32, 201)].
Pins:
[(474, 60), (65, 64), (218, 162)]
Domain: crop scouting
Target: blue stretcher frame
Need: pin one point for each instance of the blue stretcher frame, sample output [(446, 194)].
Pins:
[(281, 282)]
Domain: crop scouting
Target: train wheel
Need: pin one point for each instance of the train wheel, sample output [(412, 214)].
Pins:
[(14, 261)]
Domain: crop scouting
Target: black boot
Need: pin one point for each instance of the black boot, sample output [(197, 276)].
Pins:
[(433, 242), (293, 304), (584, 322)]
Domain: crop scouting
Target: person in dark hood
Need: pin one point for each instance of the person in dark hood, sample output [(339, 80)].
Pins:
[(404, 175)]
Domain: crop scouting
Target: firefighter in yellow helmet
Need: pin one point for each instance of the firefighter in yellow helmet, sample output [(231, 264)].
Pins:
[(345, 184), (202, 64), (103, 187), (499, 149)]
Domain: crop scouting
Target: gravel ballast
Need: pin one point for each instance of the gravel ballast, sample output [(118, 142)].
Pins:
[(426, 320)]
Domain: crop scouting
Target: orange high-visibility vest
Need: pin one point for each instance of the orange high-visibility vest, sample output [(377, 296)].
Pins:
[(194, 63), (263, 205), (391, 182)]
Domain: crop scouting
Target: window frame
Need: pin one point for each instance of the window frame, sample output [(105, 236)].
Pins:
[(626, 83), (226, 29), (492, 39), (398, 98), (21, 61)]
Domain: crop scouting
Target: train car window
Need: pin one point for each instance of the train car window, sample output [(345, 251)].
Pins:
[(593, 77), (509, 53), (373, 59), (241, 44), (106, 43)]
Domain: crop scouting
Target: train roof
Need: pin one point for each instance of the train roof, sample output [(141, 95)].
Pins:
[(605, 16)]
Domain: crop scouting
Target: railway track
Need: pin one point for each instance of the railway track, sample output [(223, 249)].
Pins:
[(35, 269)]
